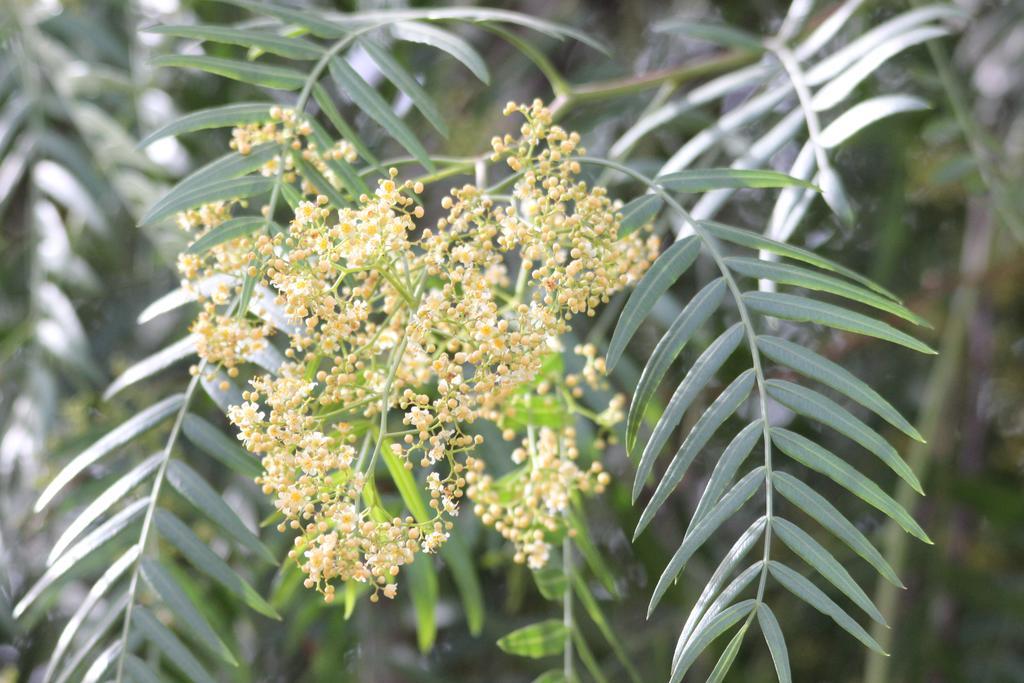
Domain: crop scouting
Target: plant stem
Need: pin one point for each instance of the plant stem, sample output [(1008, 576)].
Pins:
[(147, 521)]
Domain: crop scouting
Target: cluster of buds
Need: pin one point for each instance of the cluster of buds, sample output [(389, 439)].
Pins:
[(378, 316)]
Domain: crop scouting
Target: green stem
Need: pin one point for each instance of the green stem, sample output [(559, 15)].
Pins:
[(147, 521)]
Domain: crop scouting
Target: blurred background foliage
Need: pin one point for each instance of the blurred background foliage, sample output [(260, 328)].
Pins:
[(938, 205)]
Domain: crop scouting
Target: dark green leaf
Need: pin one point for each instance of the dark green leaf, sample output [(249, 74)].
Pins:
[(214, 117), (726, 467), (292, 47), (277, 77), (169, 644), (639, 212), (213, 442), (703, 637), (698, 180), (407, 84)]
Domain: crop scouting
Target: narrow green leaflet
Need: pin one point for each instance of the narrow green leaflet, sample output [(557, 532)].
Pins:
[(811, 455), (428, 34), (406, 83), (99, 589), (330, 110), (230, 229), (738, 551), (696, 379), (117, 437), (232, 188), (585, 543), (370, 101), (699, 180), (228, 115), (822, 561), (322, 185), (820, 509), (194, 488), (811, 404), (726, 468), (696, 312), (729, 505), (720, 410), (456, 556), (753, 240), (801, 587), (719, 34), (139, 670), (803, 310), (276, 77), (103, 624), (425, 592), (788, 274), (177, 533), (666, 270), (593, 610), (721, 669), (92, 541), (816, 367), (175, 598), (213, 442), (543, 639), (551, 676), (151, 365), (113, 494), (776, 642), (225, 167), (292, 47), (176, 651), (639, 212), (725, 620)]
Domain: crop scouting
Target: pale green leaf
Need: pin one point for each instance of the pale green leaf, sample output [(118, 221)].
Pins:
[(231, 229), (151, 365), (91, 542), (816, 367), (821, 510), (721, 669), (596, 614), (140, 671), (822, 561), (276, 77), (703, 637), (726, 468), (719, 34), (222, 116), (666, 270), (639, 212), (292, 47), (424, 590), (811, 455), (113, 494), (218, 190), (801, 587), (418, 32), (786, 274), (175, 598), (406, 83), (117, 437), (370, 101), (738, 551), (460, 563), (205, 560), (731, 398), (192, 486), (724, 509), (812, 404), (753, 240), (698, 180), (696, 312), (804, 310), (696, 379), (776, 642), (170, 645), (213, 442)]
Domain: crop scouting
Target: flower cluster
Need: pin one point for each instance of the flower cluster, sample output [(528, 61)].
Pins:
[(379, 316)]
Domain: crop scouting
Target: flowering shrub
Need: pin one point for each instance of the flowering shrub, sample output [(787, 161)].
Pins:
[(447, 325)]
